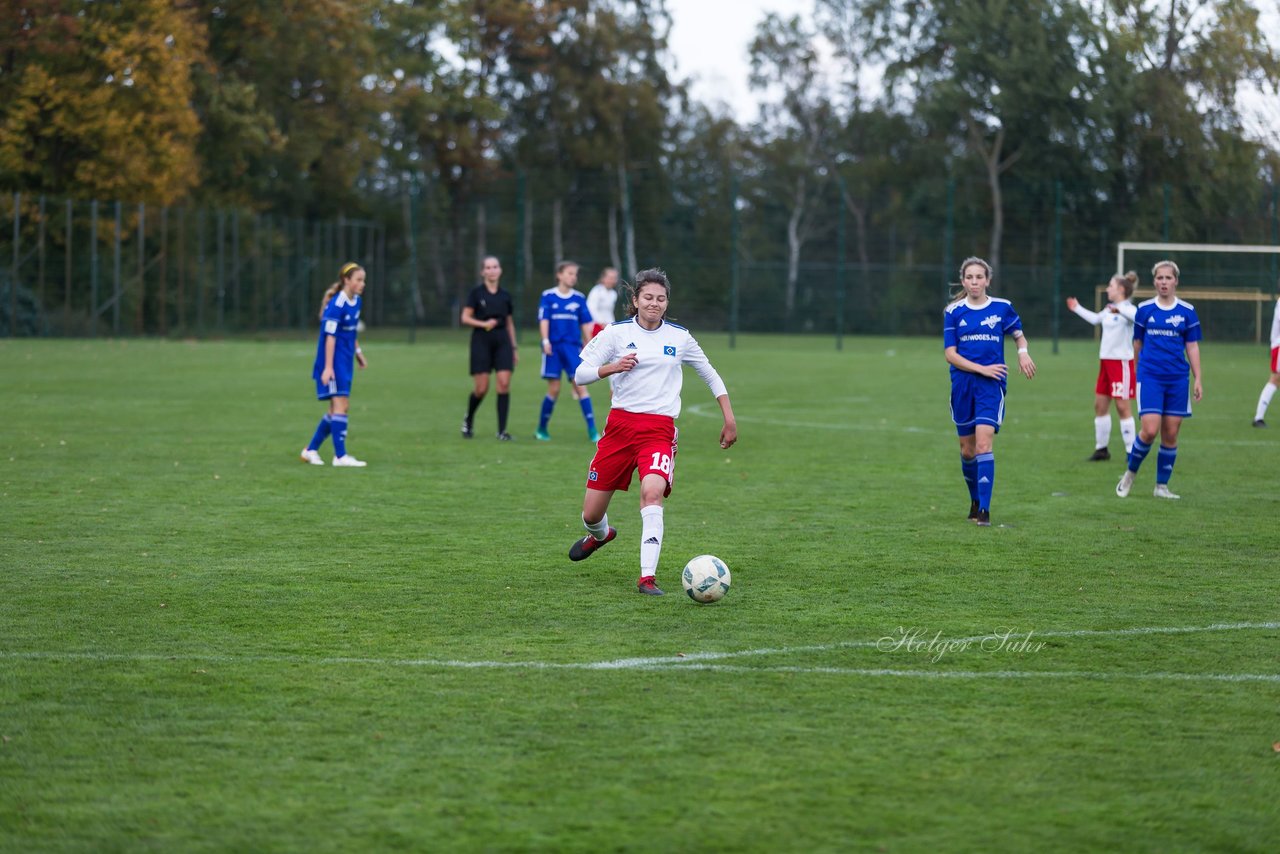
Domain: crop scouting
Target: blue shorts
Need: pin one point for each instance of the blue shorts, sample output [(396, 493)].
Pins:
[(340, 387), (1164, 397), (976, 400), (564, 358)]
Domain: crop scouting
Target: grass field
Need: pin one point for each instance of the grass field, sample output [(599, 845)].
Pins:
[(207, 646)]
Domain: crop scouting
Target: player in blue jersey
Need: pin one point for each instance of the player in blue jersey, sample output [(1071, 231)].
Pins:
[(565, 324), (973, 332), (488, 312), (1166, 343), (336, 351)]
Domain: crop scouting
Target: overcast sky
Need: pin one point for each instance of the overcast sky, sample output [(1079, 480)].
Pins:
[(709, 40)]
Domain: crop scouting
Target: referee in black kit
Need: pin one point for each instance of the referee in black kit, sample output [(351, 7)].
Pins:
[(493, 344)]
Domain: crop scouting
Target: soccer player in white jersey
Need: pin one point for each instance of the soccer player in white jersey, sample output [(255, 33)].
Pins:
[(973, 333), (643, 356), (565, 325), (1269, 390), (332, 370), (1166, 342), (602, 299), (1115, 373)]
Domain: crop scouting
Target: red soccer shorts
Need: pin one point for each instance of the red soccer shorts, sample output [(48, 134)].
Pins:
[(633, 441), (1275, 360), (1116, 379), (596, 329)]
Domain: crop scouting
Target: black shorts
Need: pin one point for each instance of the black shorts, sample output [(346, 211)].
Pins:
[(492, 351)]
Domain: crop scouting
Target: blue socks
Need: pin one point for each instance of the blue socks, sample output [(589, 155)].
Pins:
[(549, 404), (340, 435), (986, 466), (1138, 454), (322, 432), (970, 470), (1165, 458)]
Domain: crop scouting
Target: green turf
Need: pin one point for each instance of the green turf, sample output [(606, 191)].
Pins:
[(205, 645)]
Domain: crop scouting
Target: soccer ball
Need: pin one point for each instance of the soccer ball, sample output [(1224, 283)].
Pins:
[(705, 578)]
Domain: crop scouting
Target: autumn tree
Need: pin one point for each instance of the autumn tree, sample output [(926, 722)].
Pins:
[(96, 98)]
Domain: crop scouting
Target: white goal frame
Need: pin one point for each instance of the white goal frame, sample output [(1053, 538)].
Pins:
[(1190, 247), (1255, 295)]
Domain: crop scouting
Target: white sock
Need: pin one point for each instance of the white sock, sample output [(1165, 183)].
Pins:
[(1128, 432), (650, 539), (600, 529), (1264, 400), (1102, 430)]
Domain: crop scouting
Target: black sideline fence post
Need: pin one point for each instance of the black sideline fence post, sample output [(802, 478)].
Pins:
[(1057, 262)]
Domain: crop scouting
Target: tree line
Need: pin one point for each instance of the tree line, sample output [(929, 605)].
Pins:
[(891, 130)]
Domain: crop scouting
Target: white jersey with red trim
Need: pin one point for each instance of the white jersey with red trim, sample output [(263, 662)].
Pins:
[(653, 385), (1117, 329), (1275, 327)]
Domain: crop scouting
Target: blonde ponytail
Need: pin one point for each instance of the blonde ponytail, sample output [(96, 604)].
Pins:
[(345, 273), (328, 295)]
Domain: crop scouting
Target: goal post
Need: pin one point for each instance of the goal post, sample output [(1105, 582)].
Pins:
[(1224, 248), (1258, 296)]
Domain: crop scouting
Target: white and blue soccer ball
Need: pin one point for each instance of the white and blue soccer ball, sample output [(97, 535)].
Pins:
[(705, 578)]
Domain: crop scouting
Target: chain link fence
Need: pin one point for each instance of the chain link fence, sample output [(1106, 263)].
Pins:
[(87, 268)]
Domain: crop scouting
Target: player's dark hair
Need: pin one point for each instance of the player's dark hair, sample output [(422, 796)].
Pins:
[(348, 270), (652, 276)]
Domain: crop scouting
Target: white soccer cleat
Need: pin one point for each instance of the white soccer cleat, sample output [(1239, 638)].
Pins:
[(349, 462), (1122, 488), (312, 457), (1162, 491)]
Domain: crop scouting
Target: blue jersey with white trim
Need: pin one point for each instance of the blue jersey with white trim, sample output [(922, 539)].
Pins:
[(978, 333), (565, 314), (1165, 334), (340, 319)]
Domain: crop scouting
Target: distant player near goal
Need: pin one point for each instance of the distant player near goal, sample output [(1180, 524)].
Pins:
[(1166, 342), (565, 325), (1115, 373), (602, 299), (644, 357), (1269, 390)]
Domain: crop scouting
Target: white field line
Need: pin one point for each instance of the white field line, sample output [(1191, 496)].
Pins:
[(889, 640), (698, 661), (988, 674), (704, 410)]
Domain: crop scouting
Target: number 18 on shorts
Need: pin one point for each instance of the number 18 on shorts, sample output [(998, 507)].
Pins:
[(633, 442)]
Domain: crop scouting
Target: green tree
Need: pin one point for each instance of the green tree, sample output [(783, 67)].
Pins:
[(1004, 82), (1173, 72), (796, 134), (289, 109)]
